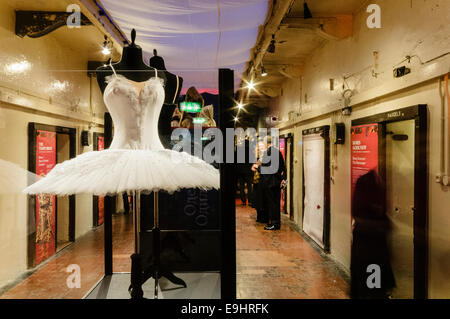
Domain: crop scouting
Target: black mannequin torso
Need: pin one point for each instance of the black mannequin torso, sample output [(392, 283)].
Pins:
[(172, 89), (131, 66), (174, 83)]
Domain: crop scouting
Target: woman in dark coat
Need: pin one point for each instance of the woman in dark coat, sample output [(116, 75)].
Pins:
[(369, 245)]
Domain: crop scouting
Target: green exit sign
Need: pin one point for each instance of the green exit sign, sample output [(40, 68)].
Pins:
[(191, 107), (199, 120)]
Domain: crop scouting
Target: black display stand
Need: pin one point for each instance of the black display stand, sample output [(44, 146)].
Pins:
[(227, 188), (156, 270)]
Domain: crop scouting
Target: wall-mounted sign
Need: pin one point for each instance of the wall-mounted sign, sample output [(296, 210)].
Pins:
[(283, 190), (364, 152), (45, 203), (190, 107)]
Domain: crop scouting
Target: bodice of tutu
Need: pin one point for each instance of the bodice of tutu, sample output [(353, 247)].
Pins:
[(134, 114)]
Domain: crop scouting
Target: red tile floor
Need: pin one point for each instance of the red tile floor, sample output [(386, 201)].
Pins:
[(281, 264), (270, 264), (49, 280)]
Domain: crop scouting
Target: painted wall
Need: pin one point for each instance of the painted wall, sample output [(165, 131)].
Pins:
[(45, 95), (423, 30)]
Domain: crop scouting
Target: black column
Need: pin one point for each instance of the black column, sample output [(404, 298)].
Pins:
[(109, 205), (227, 188)]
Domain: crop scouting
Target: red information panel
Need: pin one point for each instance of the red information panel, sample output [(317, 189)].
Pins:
[(101, 199), (283, 147), (45, 203), (283, 195), (364, 139)]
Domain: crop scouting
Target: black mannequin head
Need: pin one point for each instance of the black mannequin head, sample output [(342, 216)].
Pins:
[(132, 53), (157, 62)]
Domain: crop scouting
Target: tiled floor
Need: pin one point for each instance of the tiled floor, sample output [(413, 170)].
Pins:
[(281, 264), (270, 264), (49, 280)]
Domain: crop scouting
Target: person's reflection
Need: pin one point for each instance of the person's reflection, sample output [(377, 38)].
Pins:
[(371, 272)]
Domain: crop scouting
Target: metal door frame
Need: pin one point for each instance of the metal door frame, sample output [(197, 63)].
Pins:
[(419, 113)]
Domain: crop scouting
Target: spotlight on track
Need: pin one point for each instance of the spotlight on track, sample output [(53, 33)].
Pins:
[(105, 47), (263, 70), (306, 12)]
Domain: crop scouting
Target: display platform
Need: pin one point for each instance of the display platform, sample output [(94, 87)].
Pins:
[(200, 285)]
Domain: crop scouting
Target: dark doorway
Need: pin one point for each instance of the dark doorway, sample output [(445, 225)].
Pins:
[(51, 219)]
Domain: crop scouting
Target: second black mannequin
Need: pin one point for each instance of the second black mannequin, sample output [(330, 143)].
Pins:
[(173, 86)]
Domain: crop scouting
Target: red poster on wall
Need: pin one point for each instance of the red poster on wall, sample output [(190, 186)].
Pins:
[(364, 142), (283, 195), (45, 203), (283, 147), (101, 199)]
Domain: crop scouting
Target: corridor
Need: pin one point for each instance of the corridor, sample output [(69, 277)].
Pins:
[(281, 264), (277, 264), (49, 280)]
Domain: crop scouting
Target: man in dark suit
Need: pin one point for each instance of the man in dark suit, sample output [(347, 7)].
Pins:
[(272, 171)]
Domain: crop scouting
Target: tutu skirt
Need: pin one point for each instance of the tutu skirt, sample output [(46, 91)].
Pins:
[(113, 171)]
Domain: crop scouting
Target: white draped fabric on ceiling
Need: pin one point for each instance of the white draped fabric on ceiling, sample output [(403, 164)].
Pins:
[(195, 37)]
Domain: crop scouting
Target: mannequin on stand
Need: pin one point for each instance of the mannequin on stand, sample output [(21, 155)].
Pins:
[(135, 161), (133, 68)]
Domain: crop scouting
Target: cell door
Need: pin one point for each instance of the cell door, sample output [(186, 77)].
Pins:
[(400, 140), (316, 188), (62, 202), (402, 154)]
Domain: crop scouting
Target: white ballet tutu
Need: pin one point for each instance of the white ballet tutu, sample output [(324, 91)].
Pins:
[(113, 171)]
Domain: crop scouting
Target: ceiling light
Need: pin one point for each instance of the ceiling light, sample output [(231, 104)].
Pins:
[(271, 48), (263, 70), (236, 119), (306, 12), (17, 67), (105, 47), (240, 105), (251, 85)]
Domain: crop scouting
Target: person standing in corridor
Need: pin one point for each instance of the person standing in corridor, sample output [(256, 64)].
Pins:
[(272, 177)]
